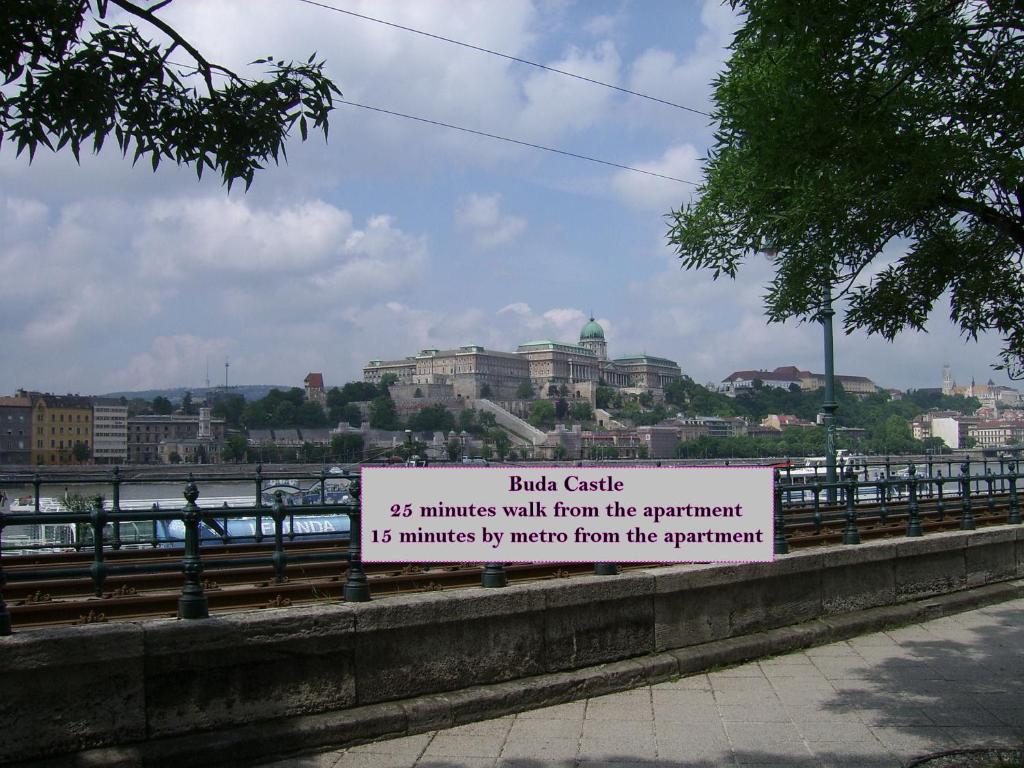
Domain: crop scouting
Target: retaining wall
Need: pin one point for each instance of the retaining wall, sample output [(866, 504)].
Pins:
[(66, 691)]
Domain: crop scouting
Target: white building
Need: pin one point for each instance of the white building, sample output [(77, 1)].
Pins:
[(109, 431)]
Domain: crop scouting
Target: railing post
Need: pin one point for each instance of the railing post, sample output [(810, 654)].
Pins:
[(494, 575), (883, 493), (780, 545), (816, 514), (850, 534), (153, 528), (357, 588), (913, 518), (5, 614), (258, 535), (225, 536), (1014, 515), (36, 482), (990, 481), (966, 516), (98, 569), (279, 558), (115, 506), (193, 603)]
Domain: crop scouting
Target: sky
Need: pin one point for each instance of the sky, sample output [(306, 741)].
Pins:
[(395, 236)]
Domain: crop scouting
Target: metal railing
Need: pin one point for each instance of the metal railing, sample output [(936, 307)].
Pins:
[(880, 494), (103, 523), (890, 497)]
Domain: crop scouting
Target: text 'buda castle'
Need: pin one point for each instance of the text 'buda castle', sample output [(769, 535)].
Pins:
[(473, 372)]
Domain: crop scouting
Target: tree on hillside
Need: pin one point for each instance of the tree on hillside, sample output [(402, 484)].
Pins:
[(230, 408), (75, 89), (525, 390), (431, 419), (871, 137), (383, 414), (542, 414), (162, 406)]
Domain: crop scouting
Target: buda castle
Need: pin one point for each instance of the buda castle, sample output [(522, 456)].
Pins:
[(472, 372)]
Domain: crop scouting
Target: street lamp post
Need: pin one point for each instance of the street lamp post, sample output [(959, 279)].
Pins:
[(830, 405)]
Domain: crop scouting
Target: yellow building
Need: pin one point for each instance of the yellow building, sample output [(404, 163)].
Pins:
[(59, 423)]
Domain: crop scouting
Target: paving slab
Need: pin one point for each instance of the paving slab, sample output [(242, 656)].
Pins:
[(876, 701)]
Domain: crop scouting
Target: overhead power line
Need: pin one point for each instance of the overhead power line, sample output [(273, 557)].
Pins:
[(495, 136), (515, 141), (481, 49)]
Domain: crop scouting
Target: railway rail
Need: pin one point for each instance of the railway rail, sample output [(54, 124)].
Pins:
[(147, 582)]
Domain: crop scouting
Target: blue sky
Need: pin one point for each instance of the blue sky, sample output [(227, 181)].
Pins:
[(396, 236)]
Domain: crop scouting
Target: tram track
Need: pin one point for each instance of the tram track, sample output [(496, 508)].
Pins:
[(38, 596), (127, 602)]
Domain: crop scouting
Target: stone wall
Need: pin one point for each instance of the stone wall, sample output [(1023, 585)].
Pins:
[(66, 690)]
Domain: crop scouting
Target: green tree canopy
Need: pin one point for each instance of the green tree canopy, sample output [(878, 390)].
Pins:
[(230, 408), (874, 136), (70, 88), (525, 391), (162, 406), (347, 447), (383, 414), (235, 447), (542, 414), (432, 418)]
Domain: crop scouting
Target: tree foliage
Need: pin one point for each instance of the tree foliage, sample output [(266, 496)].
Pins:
[(525, 391), (431, 419), (542, 414), (71, 87), (162, 406), (874, 136), (235, 448), (347, 447)]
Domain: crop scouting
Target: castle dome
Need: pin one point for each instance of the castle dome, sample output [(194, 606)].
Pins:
[(592, 330)]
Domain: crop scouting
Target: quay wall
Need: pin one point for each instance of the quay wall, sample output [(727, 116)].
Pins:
[(174, 692)]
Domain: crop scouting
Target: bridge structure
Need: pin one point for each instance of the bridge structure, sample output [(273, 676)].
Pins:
[(397, 653)]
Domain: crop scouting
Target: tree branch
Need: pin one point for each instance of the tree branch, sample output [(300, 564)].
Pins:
[(204, 66), (987, 215)]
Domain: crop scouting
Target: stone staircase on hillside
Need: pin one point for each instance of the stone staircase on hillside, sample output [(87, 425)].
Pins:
[(510, 422)]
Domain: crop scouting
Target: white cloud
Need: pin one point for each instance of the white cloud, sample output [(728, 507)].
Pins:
[(372, 262), (660, 195), (557, 323), (170, 360), (181, 235), (684, 78), (603, 24), (557, 105), (480, 216)]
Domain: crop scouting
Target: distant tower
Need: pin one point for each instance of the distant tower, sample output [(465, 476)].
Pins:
[(205, 433), (226, 366), (592, 337), (948, 385)]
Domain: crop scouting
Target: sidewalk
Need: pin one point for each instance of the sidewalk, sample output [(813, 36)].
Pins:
[(876, 701)]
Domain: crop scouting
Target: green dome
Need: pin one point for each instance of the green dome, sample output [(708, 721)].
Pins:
[(592, 331)]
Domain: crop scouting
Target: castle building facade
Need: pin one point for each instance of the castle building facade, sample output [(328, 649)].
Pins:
[(549, 366)]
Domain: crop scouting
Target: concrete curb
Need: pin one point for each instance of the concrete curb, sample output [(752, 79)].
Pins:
[(247, 745)]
